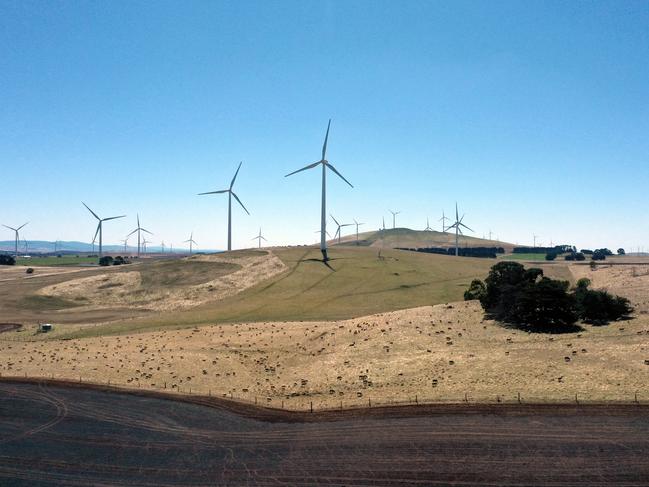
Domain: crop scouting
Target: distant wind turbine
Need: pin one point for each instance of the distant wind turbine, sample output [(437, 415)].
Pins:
[(427, 229), (357, 225), (340, 226), (139, 229), (458, 231), (443, 219), (259, 238), (383, 228), (16, 230), (125, 242), (100, 226), (535, 237), (394, 218), (323, 213), (144, 242), (162, 245), (191, 242), (230, 195)]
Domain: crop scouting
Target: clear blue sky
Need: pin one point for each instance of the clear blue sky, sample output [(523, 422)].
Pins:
[(534, 116)]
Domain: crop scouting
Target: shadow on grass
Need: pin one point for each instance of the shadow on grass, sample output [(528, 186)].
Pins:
[(544, 329)]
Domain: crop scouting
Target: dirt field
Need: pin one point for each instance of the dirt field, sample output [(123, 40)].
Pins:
[(62, 436)]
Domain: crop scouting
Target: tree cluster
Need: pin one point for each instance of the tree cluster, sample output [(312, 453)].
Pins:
[(6, 259), (487, 252), (524, 297), (558, 249), (575, 256), (107, 260)]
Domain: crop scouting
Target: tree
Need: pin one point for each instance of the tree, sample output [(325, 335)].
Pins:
[(476, 290), (106, 260), (545, 303), (621, 251), (6, 259), (599, 307), (551, 255), (599, 254)]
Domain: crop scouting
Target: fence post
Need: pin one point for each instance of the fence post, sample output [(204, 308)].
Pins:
[(466, 397), (636, 397), (498, 398), (369, 402), (282, 403), (576, 400), (255, 399), (519, 398), (311, 406), (416, 399)]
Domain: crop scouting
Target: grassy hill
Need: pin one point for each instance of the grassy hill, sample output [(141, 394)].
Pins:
[(356, 283), (405, 237)]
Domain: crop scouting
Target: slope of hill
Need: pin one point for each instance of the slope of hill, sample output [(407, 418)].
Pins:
[(405, 237)]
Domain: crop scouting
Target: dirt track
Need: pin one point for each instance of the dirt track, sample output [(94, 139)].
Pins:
[(74, 436)]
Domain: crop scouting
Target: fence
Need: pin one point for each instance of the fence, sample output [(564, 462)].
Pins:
[(307, 403)]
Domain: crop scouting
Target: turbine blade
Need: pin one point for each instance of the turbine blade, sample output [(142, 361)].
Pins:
[(138, 220), (96, 233), (93, 213), (340, 175), (113, 218), (304, 168), (465, 226), (132, 232), (237, 198), (145, 230), (332, 217), (264, 239), (324, 146), (10, 228), (21, 226), (215, 192), (235, 175)]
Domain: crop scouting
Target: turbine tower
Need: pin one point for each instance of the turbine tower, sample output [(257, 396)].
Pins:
[(139, 229), (458, 231), (100, 226), (125, 242), (259, 238), (191, 241), (443, 219), (323, 213), (338, 232), (394, 218), (357, 225), (427, 229), (144, 242), (230, 195), (16, 230)]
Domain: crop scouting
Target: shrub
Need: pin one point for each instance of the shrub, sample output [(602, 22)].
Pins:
[(119, 260), (6, 259), (29, 270), (621, 251), (599, 254), (599, 307), (550, 256), (106, 260), (476, 290)]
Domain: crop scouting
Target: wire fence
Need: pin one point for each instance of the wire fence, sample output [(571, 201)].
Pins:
[(316, 402)]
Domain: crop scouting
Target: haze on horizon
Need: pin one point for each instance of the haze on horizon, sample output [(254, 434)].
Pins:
[(533, 116)]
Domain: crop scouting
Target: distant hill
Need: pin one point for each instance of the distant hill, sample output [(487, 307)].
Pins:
[(44, 246), (405, 237)]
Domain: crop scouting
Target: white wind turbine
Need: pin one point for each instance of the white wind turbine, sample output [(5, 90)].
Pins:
[(16, 231), (427, 229), (100, 226), (191, 242), (340, 226), (230, 195), (323, 213), (144, 242), (458, 231), (125, 242), (357, 225), (394, 218), (443, 219), (139, 229), (259, 238)]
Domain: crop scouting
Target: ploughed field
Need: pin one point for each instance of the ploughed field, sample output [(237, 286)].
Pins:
[(73, 436)]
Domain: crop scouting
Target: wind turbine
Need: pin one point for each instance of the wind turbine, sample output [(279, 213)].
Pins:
[(139, 229), (535, 237), (443, 219), (230, 195), (191, 241), (323, 213), (427, 229), (338, 231), (163, 246), (357, 225), (16, 230), (144, 242), (100, 226), (259, 238), (458, 231), (383, 228), (125, 242), (394, 218)]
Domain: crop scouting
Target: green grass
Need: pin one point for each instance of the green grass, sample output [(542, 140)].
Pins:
[(538, 256), (48, 303), (64, 260), (357, 283)]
